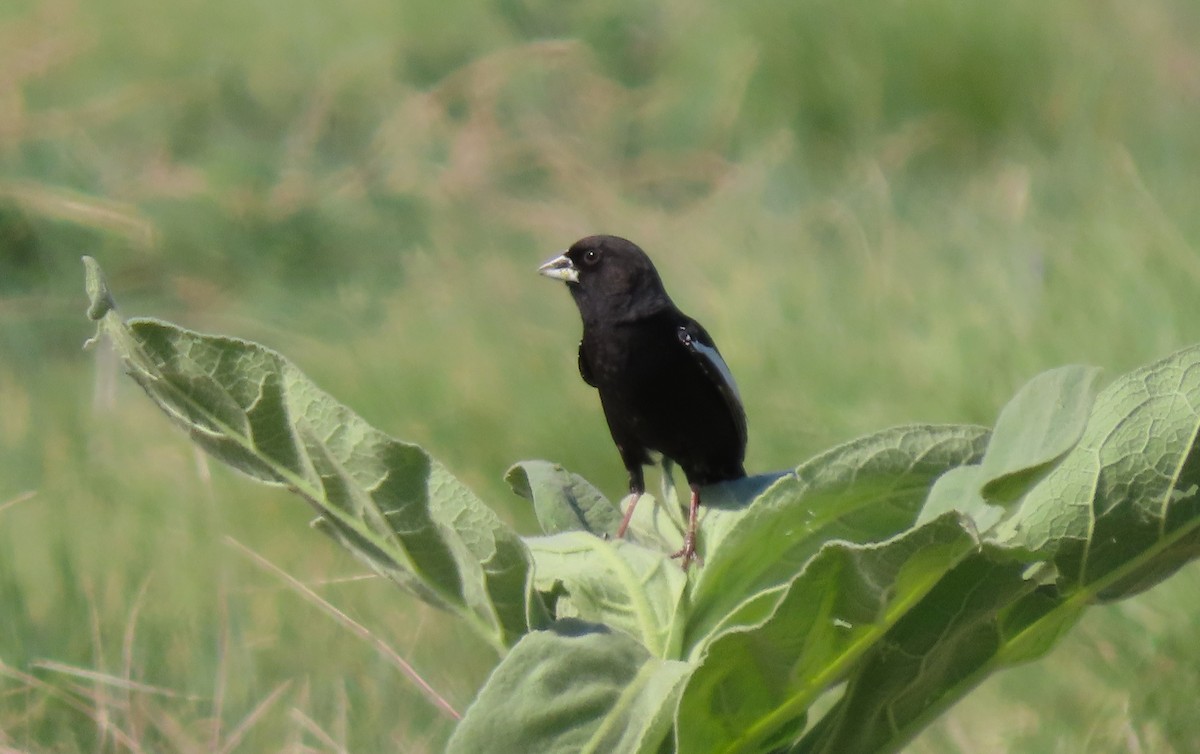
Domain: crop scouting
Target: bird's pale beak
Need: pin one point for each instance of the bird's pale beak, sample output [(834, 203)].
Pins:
[(560, 268)]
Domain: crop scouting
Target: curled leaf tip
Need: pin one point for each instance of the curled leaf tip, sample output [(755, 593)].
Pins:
[(100, 300)]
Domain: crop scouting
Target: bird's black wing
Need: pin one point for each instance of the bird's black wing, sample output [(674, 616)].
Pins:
[(585, 369), (697, 341)]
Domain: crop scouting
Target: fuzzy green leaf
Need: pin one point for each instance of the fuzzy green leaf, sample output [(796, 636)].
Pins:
[(573, 689), (614, 582), (1116, 514), (755, 685), (958, 490), (931, 653), (563, 501), (864, 491), (393, 505), (1039, 425), (1121, 511)]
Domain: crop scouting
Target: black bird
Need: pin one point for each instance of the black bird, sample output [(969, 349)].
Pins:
[(662, 383)]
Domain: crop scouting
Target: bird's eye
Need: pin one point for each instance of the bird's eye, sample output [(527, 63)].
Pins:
[(591, 256)]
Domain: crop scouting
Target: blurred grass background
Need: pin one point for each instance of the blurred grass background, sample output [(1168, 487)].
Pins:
[(884, 212)]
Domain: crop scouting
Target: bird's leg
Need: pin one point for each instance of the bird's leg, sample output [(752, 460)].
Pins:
[(633, 498), (688, 551), (637, 485)]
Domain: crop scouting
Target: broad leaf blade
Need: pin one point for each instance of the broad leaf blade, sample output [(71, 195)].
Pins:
[(1122, 506), (562, 500), (1116, 514), (958, 490), (614, 582), (389, 501), (1039, 425), (863, 491), (575, 688), (755, 685), (931, 655)]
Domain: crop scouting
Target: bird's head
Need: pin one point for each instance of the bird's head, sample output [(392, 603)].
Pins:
[(610, 278)]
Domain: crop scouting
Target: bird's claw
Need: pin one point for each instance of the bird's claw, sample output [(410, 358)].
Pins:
[(687, 553)]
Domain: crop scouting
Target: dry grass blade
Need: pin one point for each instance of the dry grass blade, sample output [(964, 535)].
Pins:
[(127, 645), (18, 499), (311, 727), (235, 738), (296, 733), (118, 735), (360, 630), (222, 670), (99, 694), (112, 681), (95, 212), (178, 731)]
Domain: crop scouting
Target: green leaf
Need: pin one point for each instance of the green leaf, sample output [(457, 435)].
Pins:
[(958, 490), (932, 655), (1115, 515), (100, 300), (575, 688), (563, 501), (863, 491), (393, 505), (1120, 511), (614, 582), (755, 684), (1039, 425)]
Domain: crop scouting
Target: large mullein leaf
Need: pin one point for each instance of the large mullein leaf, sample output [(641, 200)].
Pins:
[(388, 501)]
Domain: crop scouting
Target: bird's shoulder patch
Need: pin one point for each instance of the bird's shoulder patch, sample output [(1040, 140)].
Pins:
[(698, 342)]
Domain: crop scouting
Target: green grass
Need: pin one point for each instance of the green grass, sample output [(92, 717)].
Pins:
[(883, 212)]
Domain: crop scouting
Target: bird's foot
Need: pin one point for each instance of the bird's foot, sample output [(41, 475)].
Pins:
[(687, 553)]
